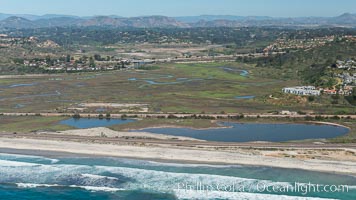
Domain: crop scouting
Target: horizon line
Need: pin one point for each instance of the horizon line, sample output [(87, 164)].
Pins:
[(198, 15)]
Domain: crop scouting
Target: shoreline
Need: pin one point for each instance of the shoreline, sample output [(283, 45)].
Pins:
[(61, 154), (174, 154), (331, 124)]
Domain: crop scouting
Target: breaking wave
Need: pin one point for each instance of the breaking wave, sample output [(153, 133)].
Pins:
[(95, 178), (89, 188)]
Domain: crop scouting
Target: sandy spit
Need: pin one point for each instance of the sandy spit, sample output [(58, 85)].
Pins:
[(176, 154)]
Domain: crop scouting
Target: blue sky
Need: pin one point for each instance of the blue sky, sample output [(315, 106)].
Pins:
[(129, 8)]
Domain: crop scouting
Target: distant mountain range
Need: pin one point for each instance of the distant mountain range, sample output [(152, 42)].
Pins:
[(33, 21)]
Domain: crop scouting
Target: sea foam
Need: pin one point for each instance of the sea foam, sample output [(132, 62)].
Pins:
[(35, 185), (93, 176), (5, 156), (88, 177), (97, 189), (89, 188)]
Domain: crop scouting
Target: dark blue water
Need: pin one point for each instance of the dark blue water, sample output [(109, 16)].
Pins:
[(18, 106), (242, 72), (77, 178), (245, 132), (245, 97), (100, 110), (19, 85), (155, 77), (94, 122), (152, 81), (56, 93)]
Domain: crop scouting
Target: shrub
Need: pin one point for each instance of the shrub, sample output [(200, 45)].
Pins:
[(76, 116), (311, 98), (108, 115)]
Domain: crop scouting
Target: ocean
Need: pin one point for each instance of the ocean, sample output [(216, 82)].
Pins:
[(73, 177)]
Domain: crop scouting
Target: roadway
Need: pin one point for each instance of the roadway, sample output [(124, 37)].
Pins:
[(179, 115)]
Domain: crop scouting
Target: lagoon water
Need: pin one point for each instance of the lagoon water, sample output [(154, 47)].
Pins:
[(242, 72), (19, 85), (74, 177), (229, 132), (245, 97), (247, 132), (152, 81)]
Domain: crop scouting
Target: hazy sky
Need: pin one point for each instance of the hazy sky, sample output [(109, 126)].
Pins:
[(128, 8)]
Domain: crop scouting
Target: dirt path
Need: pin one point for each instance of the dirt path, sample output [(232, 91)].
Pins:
[(178, 115)]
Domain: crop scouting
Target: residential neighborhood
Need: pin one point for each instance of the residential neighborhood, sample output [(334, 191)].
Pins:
[(344, 74), (283, 44), (82, 63), (346, 64), (347, 78)]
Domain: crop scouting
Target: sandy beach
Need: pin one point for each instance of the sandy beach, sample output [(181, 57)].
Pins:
[(334, 160), (106, 132)]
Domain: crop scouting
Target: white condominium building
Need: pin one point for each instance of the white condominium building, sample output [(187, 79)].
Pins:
[(302, 90)]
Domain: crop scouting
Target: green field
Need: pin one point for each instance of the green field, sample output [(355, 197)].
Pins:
[(190, 88), (25, 124)]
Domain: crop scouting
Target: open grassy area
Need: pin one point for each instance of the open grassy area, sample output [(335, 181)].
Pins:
[(27, 124), (211, 70), (192, 88)]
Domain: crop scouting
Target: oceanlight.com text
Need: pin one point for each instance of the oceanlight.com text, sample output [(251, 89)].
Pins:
[(263, 187)]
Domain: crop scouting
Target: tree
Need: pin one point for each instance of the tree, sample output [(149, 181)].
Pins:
[(352, 98), (68, 58), (48, 59), (92, 62), (108, 115), (97, 57), (335, 97), (75, 65), (311, 98), (76, 116)]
